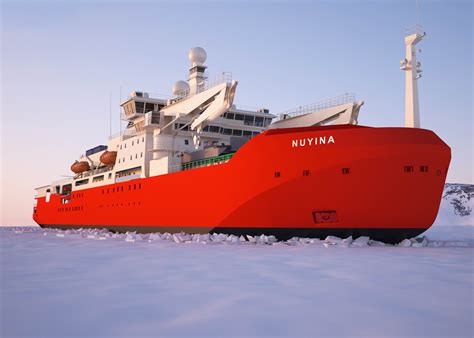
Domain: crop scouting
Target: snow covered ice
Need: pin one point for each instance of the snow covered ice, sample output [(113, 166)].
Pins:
[(98, 283)]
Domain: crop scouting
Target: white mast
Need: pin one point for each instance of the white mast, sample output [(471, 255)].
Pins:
[(413, 71), (197, 76)]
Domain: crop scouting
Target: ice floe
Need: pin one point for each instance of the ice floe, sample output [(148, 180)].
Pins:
[(224, 239)]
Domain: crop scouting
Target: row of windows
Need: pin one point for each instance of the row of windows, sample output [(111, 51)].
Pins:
[(122, 160), (306, 172), (124, 145), (137, 107), (81, 182), (115, 205), (411, 169), (347, 171), (77, 195), (277, 174), (99, 178), (120, 189), (219, 130), (249, 120)]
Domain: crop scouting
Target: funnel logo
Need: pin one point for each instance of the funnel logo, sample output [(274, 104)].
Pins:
[(312, 141)]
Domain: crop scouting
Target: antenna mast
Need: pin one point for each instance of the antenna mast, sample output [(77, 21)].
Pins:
[(413, 71), (120, 109), (110, 114)]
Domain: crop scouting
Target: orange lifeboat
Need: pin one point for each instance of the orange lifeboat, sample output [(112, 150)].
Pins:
[(108, 157), (79, 167)]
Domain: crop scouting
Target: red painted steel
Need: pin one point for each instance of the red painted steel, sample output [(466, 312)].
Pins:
[(375, 192)]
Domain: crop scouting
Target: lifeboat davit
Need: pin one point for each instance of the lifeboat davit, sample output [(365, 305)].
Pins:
[(80, 166), (108, 157)]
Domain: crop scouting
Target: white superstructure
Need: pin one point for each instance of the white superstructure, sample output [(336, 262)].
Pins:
[(162, 134)]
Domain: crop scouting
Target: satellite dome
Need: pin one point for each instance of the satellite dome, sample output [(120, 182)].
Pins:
[(197, 55), (180, 87)]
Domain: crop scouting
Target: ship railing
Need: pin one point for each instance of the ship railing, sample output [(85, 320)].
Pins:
[(152, 95), (125, 134), (206, 162), (314, 107), (95, 172), (224, 77), (252, 109)]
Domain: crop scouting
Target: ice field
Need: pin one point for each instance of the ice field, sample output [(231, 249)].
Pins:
[(94, 283), (97, 284)]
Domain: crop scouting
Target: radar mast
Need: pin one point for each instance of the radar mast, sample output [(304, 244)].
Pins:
[(413, 71)]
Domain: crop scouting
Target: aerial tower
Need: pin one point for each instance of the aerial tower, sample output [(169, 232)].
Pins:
[(197, 76), (413, 71)]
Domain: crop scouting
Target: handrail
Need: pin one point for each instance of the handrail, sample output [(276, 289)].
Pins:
[(314, 107), (202, 163), (224, 77)]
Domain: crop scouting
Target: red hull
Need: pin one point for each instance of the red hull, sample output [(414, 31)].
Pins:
[(383, 182)]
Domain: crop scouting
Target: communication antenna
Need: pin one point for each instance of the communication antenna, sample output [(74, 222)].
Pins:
[(110, 114), (120, 109), (417, 12), (413, 72)]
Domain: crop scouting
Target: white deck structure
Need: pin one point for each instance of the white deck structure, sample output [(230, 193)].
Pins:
[(198, 121)]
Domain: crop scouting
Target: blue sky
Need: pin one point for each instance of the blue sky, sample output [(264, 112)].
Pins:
[(60, 61)]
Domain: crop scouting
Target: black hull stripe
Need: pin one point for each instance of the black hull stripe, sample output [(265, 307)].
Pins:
[(387, 235)]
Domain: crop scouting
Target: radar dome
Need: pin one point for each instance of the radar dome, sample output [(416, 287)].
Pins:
[(180, 87), (197, 55)]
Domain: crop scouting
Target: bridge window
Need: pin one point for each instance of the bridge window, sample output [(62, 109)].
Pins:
[(214, 129), (149, 107), (248, 120), (408, 169), (139, 107), (82, 182), (424, 168)]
